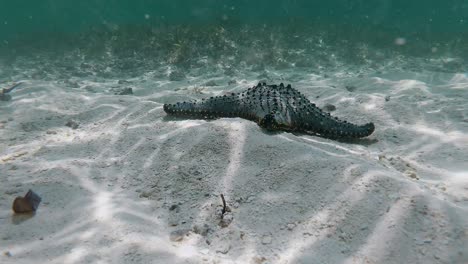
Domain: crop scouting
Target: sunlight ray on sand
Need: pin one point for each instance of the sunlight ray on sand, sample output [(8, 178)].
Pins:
[(237, 135), (383, 235), (118, 187), (337, 210)]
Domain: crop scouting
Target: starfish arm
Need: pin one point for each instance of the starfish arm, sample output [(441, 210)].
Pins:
[(313, 120), (213, 107), (330, 127)]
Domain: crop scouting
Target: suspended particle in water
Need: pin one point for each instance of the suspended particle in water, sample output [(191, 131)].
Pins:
[(434, 49), (400, 41), (147, 16), (224, 17)]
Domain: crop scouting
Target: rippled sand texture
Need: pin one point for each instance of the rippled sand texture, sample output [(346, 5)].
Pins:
[(130, 185)]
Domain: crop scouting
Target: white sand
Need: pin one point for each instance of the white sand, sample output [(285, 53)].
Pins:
[(116, 188)]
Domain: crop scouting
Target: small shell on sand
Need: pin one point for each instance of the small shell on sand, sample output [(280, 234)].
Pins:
[(27, 204)]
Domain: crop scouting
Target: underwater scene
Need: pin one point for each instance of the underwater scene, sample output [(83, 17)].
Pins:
[(233, 131)]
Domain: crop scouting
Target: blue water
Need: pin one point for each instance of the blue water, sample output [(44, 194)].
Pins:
[(26, 16), (278, 33)]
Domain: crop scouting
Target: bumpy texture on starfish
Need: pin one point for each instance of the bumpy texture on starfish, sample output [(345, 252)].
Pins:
[(273, 107)]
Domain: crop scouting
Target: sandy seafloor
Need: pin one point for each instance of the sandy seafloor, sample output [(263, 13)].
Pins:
[(130, 185)]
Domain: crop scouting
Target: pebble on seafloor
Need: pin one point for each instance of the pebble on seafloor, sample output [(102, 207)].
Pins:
[(223, 248), (124, 91), (178, 235), (5, 97), (329, 107), (211, 83), (72, 124), (176, 76), (123, 82), (350, 88), (27, 204), (201, 229), (267, 239), (226, 220)]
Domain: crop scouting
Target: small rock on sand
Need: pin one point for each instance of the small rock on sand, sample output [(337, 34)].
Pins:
[(226, 220), (72, 124), (201, 229), (291, 226), (267, 239), (329, 107), (176, 76), (350, 88), (178, 235), (223, 248), (124, 91)]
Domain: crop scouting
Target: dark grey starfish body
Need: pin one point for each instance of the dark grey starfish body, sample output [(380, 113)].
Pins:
[(273, 107)]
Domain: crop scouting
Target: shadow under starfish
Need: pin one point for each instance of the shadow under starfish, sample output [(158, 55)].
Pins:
[(274, 108)]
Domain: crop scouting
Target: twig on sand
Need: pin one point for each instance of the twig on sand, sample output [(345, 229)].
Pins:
[(7, 90), (224, 206), (4, 96), (226, 218)]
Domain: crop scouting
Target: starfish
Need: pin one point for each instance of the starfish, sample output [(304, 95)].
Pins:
[(275, 108)]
